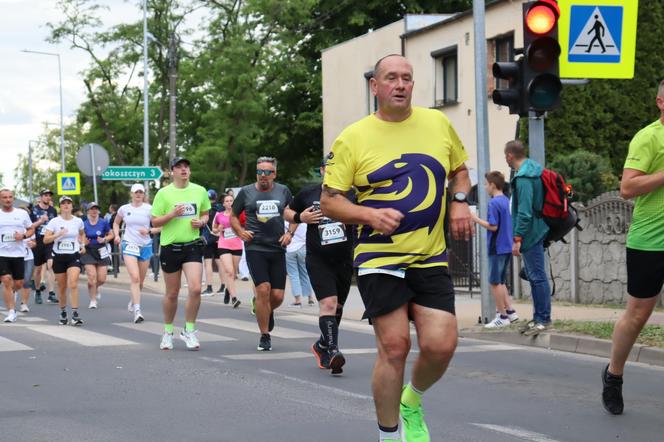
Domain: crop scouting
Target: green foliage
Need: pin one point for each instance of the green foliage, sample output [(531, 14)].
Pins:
[(589, 173)]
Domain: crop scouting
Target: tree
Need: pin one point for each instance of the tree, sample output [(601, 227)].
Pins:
[(588, 173)]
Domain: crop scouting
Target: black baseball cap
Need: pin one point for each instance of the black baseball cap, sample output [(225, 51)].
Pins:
[(45, 191), (178, 160)]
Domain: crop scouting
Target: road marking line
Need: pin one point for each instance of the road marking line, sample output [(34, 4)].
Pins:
[(31, 319), (79, 336), (317, 386), (250, 326), (9, 345), (359, 327), (155, 328), (269, 355), (517, 432), (486, 347)]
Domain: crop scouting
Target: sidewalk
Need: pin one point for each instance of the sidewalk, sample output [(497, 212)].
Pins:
[(468, 311)]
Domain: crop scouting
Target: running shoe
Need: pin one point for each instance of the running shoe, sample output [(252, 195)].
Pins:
[(11, 316), (166, 341), (93, 304), (227, 296), (498, 322), (321, 354), (222, 288), (138, 317), (265, 344), (63, 318), (612, 398), (23, 308), (537, 329), (270, 325), (51, 298), (337, 361), (130, 306), (207, 291), (42, 287), (414, 429), (190, 339), (76, 319), (311, 302), (513, 317), (235, 302), (38, 297), (253, 306)]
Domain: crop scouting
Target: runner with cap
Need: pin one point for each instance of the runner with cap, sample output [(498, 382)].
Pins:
[(97, 256), (42, 213), (136, 244), (210, 251), (67, 234), (15, 226), (181, 210), (229, 246)]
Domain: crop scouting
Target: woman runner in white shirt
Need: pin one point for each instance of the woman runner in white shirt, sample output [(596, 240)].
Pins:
[(68, 237), (136, 244)]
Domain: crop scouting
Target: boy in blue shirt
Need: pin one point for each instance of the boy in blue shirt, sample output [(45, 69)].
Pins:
[(499, 244)]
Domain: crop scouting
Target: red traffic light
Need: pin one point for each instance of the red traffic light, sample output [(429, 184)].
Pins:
[(542, 16)]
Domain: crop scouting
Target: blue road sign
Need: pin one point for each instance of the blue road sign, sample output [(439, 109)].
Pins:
[(595, 34)]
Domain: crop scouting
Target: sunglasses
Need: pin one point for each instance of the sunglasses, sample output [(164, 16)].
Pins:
[(264, 172)]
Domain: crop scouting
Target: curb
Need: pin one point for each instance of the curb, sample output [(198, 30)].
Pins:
[(569, 343)]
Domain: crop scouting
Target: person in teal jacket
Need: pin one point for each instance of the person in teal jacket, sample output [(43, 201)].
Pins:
[(529, 231)]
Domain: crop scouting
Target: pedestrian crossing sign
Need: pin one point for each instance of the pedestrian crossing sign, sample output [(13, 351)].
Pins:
[(69, 183), (597, 38)]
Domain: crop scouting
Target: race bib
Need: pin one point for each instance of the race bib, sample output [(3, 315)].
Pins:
[(104, 252), (189, 210), (332, 233), (8, 237), (42, 230), (229, 233), (267, 209), (132, 250), (66, 246)]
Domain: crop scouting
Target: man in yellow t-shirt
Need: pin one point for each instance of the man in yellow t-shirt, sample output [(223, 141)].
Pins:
[(643, 180), (398, 160)]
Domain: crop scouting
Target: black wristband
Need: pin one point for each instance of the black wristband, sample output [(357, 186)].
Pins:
[(297, 218)]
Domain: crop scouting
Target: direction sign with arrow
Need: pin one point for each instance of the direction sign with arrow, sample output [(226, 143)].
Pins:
[(136, 173)]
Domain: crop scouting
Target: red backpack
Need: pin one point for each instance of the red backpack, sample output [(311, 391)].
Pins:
[(557, 212)]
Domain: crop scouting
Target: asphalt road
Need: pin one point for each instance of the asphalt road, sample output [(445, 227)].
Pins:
[(108, 381)]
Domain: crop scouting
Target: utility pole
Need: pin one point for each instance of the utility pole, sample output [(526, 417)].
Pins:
[(172, 82)]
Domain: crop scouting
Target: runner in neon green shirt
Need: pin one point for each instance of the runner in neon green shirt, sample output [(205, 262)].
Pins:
[(181, 210)]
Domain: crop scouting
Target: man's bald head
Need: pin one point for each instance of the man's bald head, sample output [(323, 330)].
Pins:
[(379, 63)]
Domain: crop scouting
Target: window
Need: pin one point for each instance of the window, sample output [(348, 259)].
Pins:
[(446, 88), (504, 51), (372, 101)]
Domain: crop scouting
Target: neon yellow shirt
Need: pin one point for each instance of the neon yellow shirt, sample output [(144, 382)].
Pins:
[(403, 166), (646, 154), (179, 229)]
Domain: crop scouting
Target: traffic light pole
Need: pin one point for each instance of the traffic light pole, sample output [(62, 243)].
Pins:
[(536, 138)]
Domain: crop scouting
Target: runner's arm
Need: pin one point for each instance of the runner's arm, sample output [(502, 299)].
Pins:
[(636, 183), (335, 205), (461, 223)]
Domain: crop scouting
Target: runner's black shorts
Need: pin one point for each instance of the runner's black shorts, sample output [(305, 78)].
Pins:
[(429, 287), (237, 252), (267, 267), (210, 250), (92, 257), (330, 276), (173, 256), (13, 266), (645, 272), (64, 261), (42, 252)]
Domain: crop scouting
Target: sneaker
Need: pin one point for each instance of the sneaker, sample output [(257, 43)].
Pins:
[(23, 308), (253, 306), (270, 325), (527, 326), (11, 316), (130, 306), (190, 339), (207, 291), (295, 304), (235, 302), (76, 319), (42, 287), (63, 318), (311, 302), (498, 322), (93, 304), (321, 354), (265, 344), (612, 392), (138, 317), (98, 295), (513, 317), (227, 296), (222, 288), (51, 298), (413, 427), (536, 329), (38, 297), (166, 341), (245, 278), (337, 361)]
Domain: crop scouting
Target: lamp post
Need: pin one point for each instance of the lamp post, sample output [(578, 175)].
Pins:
[(32, 197), (62, 126), (146, 131)]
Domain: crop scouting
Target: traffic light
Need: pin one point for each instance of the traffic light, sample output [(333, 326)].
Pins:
[(541, 51), (513, 96)]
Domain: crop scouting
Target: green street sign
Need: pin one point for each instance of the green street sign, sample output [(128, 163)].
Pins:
[(131, 173)]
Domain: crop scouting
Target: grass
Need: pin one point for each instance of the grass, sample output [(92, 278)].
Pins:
[(650, 335)]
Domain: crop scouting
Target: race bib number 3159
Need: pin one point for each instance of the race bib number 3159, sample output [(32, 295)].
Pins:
[(332, 233)]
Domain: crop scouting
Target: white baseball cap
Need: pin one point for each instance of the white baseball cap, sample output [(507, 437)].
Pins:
[(136, 187)]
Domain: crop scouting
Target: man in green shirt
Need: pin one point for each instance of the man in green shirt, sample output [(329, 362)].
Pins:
[(181, 209), (643, 180)]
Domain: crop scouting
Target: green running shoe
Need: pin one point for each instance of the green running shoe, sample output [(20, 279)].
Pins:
[(414, 429), (253, 306)]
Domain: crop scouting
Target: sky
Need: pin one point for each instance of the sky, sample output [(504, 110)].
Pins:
[(29, 92)]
